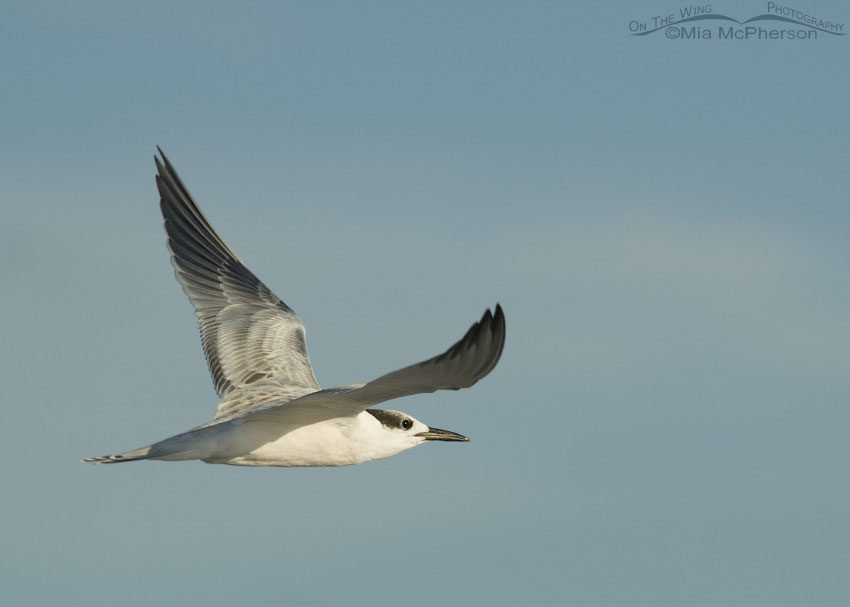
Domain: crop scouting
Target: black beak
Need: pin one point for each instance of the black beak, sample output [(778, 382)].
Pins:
[(437, 434)]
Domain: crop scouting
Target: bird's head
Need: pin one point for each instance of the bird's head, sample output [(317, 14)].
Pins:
[(400, 431)]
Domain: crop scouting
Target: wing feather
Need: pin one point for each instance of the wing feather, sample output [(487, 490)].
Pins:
[(249, 335), (461, 366)]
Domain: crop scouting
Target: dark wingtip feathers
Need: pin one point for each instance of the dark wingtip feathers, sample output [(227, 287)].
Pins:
[(489, 333)]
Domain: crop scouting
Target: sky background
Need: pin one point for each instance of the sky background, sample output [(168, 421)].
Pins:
[(664, 221)]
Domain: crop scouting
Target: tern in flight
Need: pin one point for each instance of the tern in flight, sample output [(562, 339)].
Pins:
[(272, 411)]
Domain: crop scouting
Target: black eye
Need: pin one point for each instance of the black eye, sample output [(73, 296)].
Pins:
[(406, 423)]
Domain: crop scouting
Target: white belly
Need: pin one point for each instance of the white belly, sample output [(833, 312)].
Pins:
[(328, 443)]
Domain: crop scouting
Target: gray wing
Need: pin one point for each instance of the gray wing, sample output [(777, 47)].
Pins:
[(461, 366), (250, 337)]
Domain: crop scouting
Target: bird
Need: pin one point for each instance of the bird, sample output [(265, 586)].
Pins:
[(272, 410)]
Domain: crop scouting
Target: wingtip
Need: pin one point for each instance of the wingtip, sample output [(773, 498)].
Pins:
[(497, 329), (499, 315), (163, 165), (495, 319)]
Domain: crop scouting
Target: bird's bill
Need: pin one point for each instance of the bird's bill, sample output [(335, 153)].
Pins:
[(437, 434)]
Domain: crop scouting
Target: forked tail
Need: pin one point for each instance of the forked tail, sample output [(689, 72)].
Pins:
[(128, 456), (198, 443)]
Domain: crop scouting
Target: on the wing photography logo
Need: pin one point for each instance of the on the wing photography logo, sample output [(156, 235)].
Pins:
[(701, 22)]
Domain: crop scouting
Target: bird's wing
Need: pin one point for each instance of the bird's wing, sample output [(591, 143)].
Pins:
[(460, 366), (250, 336)]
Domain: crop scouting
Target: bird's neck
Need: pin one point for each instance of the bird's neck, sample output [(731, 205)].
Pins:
[(370, 440)]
